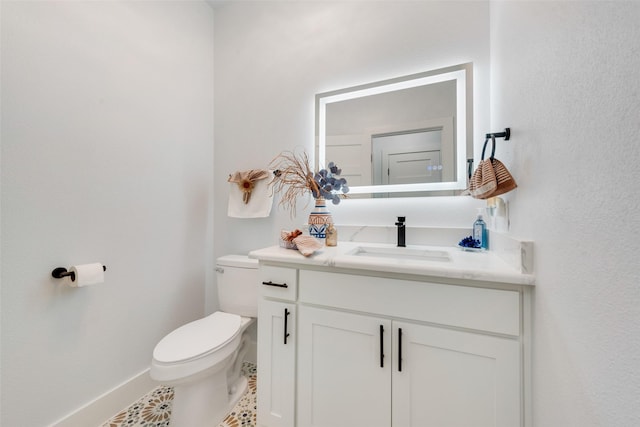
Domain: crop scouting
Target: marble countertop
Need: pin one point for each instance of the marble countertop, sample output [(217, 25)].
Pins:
[(474, 266)]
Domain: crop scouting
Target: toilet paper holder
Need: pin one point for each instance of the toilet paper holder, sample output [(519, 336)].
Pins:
[(61, 272)]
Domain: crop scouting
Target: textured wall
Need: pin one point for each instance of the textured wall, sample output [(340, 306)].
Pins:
[(564, 76), (107, 155), (124, 91), (273, 57)]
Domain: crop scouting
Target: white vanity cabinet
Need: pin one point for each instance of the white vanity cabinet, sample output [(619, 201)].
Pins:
[(452, 378), (392, 350), (276, 347), (363, 370), (344, 370)]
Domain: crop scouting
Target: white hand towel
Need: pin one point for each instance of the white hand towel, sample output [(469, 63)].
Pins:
[(255, 204)]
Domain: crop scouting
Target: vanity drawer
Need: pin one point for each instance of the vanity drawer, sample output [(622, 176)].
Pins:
[(491, 310), (279, 282)]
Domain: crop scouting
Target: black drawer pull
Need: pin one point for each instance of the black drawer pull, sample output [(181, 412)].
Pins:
[(286, 316), (399, 349), (381, 346), (278, 285)]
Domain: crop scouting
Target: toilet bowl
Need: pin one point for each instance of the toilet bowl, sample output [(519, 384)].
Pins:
[(202, 360)]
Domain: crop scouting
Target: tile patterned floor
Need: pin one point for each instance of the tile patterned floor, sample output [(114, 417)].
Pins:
[(154, 409)]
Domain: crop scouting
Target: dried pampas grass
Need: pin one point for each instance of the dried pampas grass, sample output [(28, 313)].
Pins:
[(293, 178)]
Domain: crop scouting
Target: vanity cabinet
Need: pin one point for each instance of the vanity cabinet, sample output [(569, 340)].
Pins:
[(276, 347), (452, 378), (344, 370), (381, 349)]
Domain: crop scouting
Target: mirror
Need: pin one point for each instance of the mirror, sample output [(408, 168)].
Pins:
[(408, 136)]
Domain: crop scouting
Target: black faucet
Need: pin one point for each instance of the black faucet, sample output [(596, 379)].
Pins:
[(401, 228)]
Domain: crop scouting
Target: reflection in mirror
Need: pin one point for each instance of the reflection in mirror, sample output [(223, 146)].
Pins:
[(408, 136)]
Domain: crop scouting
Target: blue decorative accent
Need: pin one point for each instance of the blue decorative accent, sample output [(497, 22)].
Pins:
[(319, 219), (319, 231)]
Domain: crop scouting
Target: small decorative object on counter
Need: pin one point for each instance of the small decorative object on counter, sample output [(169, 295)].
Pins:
[(332, 236), (295, 177), (470, 243), (286, 238), (480, 230), (319, 219), (306, 245)]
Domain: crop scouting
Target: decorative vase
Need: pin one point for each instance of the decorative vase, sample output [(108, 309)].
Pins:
[(319, 219)]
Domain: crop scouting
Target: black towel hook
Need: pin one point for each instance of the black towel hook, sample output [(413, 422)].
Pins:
[(506, 134)]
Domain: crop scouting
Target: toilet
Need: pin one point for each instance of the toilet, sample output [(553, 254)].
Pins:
[(202, 360)]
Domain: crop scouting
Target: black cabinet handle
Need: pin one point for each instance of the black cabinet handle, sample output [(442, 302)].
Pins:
[(399, 349), (381, 346), (286, 316), (279, 285)]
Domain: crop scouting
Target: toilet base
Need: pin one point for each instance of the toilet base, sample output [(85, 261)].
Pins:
[(205, 403), (241, 387), (205, 391)]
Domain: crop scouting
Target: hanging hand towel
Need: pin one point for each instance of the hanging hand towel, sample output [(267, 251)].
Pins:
[(491, 178), (250, 195)]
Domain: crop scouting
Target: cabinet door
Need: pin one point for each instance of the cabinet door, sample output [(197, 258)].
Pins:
[(276, 364), (450, 378), (344, 369)]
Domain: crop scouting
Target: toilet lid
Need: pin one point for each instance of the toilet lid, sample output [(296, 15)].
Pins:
[(198, 337)]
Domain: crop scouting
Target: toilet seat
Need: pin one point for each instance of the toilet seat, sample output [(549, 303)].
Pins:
[(198, 338)]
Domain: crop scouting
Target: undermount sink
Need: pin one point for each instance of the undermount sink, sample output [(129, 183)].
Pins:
[(401, 253)]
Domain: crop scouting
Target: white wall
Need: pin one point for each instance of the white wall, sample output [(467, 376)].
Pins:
[(564, 76), (123, 92), (273, 57), (107, 155)]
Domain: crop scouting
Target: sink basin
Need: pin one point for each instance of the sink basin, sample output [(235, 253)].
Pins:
[(401, 253)]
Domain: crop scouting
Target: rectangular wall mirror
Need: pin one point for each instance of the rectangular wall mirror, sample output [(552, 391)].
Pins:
[(401, 137)]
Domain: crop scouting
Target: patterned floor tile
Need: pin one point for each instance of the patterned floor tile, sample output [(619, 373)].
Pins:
[(154, 409)]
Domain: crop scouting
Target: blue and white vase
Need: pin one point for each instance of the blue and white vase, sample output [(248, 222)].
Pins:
[(319, 219)]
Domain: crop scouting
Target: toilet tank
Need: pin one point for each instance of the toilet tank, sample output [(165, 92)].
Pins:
[(238, 285)]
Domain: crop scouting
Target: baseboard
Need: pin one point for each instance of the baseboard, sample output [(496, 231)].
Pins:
[(98, 411)]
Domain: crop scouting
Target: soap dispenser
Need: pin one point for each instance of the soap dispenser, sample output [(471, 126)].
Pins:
[(480, 230)]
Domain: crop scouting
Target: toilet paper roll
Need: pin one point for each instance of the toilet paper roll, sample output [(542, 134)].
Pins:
[(87, 274)]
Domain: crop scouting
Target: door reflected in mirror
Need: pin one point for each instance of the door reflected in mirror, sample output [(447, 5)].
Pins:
[(408, 136)]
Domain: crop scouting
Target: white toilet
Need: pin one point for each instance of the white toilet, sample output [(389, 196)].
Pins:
[(202, 359)]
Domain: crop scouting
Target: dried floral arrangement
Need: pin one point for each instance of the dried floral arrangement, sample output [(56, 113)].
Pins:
[(294, 177)]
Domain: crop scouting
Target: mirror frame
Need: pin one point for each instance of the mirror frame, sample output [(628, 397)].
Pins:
[(463, 76)]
